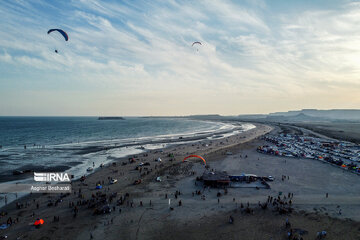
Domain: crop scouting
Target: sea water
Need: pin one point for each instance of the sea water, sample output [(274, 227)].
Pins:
[(75, 143)]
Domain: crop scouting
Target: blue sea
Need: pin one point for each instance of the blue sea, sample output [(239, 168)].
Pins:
[(74, 143)]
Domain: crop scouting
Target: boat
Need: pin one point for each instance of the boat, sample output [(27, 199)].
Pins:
[(89, 169)]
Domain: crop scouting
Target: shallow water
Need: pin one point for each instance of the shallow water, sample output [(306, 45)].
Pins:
[(74, 143)]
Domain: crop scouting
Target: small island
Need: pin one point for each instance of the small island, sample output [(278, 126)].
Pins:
[(111, 118)]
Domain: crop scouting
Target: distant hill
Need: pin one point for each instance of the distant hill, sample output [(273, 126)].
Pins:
[(206, 117), (301, 117), (253, 116), (333, 114)]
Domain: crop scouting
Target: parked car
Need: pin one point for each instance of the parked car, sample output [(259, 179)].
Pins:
[(269, 178)]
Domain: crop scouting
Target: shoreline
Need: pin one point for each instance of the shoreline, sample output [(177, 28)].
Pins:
[(135, 145), (169, 142), (137, 219)]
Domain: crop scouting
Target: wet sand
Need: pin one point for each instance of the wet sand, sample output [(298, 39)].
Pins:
[(309, 180)]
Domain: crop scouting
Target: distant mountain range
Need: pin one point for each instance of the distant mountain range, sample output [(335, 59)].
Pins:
[(335, 114), (304, 115), (301, 117), (308, 115)]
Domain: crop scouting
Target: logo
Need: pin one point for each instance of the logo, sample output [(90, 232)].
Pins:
[(51, 177)]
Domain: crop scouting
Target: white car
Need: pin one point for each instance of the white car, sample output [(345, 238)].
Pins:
[(271, 178)]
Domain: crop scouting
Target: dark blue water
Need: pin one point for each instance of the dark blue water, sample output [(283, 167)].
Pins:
[(20, 131), (74, 143)]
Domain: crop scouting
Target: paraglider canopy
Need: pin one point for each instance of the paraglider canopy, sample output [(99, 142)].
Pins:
[(38, 222), (196, 43), (62, 32), (195, 156)]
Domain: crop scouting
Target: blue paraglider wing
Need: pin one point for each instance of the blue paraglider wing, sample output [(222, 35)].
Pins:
[(60, 31)]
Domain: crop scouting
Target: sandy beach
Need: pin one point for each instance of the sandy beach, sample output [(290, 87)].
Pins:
[(143, 211), (179, 120)]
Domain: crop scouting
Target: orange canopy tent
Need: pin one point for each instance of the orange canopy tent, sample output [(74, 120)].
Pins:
[(38, 222)]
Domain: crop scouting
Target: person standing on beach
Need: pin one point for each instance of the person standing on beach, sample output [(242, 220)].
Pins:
[(231, 219)]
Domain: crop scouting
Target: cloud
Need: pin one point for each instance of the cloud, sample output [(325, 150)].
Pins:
[(6, 58), (249, 55)]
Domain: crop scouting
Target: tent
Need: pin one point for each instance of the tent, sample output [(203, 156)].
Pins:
[(38, 222)]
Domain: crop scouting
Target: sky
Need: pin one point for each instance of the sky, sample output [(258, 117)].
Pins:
[(135, 58)]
